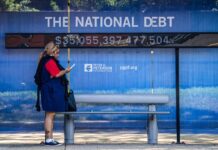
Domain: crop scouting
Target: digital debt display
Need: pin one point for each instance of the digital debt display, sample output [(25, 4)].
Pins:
[(111, 40)]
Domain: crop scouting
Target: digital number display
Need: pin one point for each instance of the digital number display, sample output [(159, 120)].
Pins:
[(112, 40), (116, 40)]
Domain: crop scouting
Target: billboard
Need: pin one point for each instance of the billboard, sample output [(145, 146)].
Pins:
[(140, 67)]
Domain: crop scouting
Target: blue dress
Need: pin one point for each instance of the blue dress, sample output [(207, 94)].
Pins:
[(53, 90)]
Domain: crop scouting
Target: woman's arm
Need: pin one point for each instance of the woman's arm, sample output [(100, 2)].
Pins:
[(63, 72), (54, 71)]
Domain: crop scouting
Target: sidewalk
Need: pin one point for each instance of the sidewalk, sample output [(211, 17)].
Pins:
[(108, 140), (111, 147)]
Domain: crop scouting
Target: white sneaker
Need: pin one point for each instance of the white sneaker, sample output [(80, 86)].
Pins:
[(51, 142)]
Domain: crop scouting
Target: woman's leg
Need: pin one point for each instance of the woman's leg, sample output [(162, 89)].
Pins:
[(48, 124)]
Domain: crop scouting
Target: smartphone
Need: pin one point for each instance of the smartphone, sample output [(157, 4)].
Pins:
[(73, 65)]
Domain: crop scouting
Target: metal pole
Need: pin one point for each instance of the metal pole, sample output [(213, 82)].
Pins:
[(68, 49), (69, 129), (177, 97), (152, 129), (152, 71), (68, 120)]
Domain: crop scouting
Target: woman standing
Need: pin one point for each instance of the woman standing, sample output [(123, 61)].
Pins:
[(53, 88)]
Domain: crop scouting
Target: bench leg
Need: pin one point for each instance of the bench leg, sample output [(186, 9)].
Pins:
[(152, 129), (68, 129)]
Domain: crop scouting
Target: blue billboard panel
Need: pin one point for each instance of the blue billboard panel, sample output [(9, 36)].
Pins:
[(122, 70), (110, 22), (199, 88)]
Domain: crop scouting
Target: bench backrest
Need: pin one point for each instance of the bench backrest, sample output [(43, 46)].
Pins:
[(124, 99)]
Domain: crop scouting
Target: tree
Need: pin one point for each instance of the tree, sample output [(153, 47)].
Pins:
[(98, 5), (54, 5), (30, 5), (16, 5), (107, 5)]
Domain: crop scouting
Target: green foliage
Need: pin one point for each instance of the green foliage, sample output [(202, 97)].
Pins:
[(116, 4), (54, 5), (98, 5), (110, 2), (10, 5), (24, 6), (123, 3), (15, 5), (106, 5)]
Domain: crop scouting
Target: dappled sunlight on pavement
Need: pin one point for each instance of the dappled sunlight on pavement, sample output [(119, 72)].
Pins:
[(107, 137), (26, 138), (200, 138)]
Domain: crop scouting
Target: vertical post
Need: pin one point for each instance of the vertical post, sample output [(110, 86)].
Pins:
[(68, 119), (68, 129), (177, 97), (152, 129), (152, 71), (68, 49)]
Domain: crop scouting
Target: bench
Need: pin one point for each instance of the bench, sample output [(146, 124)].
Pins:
[(150, 100)]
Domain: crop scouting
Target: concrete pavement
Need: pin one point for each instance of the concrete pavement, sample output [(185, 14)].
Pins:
[(108, 140), (110, 147), (108, 137)]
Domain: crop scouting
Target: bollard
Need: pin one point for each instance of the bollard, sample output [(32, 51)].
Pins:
[(68, 129), (152, 129)]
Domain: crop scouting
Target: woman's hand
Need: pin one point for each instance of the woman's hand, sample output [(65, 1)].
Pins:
[(62, 72), (68, 69)]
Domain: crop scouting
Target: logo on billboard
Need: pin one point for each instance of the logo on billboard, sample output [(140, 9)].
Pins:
[(97, 68), (88, 67)]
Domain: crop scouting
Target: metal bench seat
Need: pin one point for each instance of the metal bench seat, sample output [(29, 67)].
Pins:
[(149, 100), (122, 98)]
